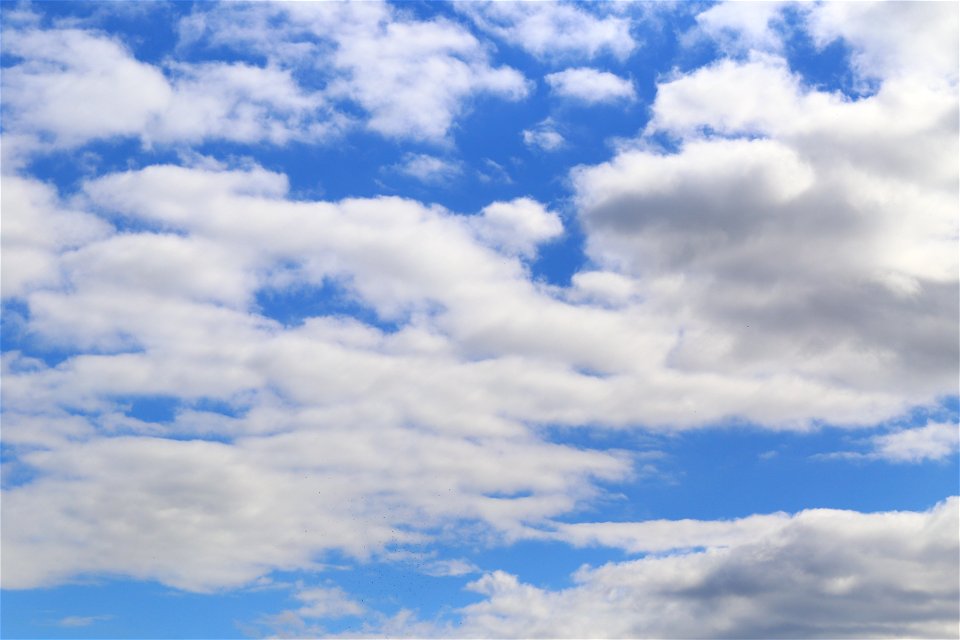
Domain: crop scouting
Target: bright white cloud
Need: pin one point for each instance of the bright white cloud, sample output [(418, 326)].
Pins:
[(412, 77), (892, 39), (935, 441), (518, 226), (590, 85), (742, 26), (79, 86), (553, 30), (35, 231)]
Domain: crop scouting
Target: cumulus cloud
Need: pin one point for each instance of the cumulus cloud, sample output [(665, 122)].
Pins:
[(553, 30), (518, 226), (819, 573), (412, 77), (740, 27), (892, 39), (774, 233), (590, 86), (781, 270)]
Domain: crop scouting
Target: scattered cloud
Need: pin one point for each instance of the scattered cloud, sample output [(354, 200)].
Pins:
[(933, 442), (590, 86), (428, 169), (544, 136), (553, 30), (820, 573)]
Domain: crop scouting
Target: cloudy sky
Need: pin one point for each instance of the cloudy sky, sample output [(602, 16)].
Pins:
[(480, 320)]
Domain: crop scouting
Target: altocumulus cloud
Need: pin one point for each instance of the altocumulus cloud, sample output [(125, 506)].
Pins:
[(764, 250)]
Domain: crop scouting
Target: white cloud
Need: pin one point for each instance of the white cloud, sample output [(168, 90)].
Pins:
[(553, 30), (518, 226), (656, 536), (35, 231), (590, 85), (935, 441), (544, 136), (427, 168), (740, 26), (820, 573), (738, 277), (78, 86), (327, 602), (890, 39), (413, 78)]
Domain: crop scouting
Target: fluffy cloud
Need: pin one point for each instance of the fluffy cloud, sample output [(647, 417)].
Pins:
[(738, 27), (820, 573), (935, 441), (781, 270), (590, 85), (553, 30), (77, 86), (35, 231), (787, 220), (892, 39), (412, 77), (518, 226)]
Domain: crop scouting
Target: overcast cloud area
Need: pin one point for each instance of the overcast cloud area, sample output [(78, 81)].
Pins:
[(214, 377)]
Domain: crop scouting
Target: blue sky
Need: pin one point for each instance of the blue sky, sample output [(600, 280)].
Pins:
[(479, 320)]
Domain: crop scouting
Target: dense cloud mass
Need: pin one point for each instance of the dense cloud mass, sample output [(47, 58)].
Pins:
[(763, 251)]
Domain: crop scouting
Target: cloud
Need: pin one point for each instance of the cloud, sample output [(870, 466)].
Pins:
[(590, 86), (739, 28), (775, 229), (819, 573), (411, 77), (553, 31), (935, 441), (427, 168), (517, 227), (67, 82), (544, 136), (36, 230), (892, 39)]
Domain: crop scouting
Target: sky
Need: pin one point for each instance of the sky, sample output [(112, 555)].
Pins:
[(473, 319)]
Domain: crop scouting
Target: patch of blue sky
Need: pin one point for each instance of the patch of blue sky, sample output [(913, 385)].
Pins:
[(824, 67), (732, 471), (291, 306), (16, 336), (119, 608)]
